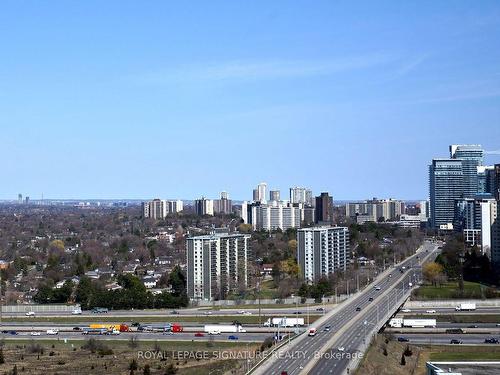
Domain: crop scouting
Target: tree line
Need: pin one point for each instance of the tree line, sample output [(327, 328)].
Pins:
[(132, 294)]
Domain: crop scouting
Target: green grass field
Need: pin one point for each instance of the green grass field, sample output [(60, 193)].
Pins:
[(468, 354), (450, 290)]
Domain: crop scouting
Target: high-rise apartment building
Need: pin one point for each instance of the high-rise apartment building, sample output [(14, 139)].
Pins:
[(486, 179), (274, 195), (175, 206), (496, 182), (471, 157), (301, 195), (322, 251), (475, 218), (159, 208), (446, 185), (217, 264), (204, 206), (224, 205), (376, 210), (324, 208), (259, 194), (495, 235), (155, 209), (273, 217)]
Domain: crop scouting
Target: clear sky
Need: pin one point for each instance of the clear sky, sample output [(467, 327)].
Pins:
[(143, 99)]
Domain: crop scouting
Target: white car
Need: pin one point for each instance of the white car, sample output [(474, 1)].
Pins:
[(34, 333), (208, 313), (430, 311), (341, 348), (52, 332), (406, 310), (30, 313), (76, 312), (247, 313)]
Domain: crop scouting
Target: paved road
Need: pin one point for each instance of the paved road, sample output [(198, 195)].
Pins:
[(285, 310), (296, 358), (445, 339), (451, 311), (184, 336)]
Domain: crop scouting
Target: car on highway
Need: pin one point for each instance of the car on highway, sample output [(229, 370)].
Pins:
[(174, 312), (390, 275), (35, 333), (232, 337), (320, 309), (472, 326), (13, 333), (327, 328), (76, 312), (298, 312), (30, 313), (284, 373), (491, 341), (208, 313), (199, 334), (455, 341), (406, 310), (403, 339), (358, 308), (370, 299), (430, 311), (77, 329), (377, 288), (135, 324)]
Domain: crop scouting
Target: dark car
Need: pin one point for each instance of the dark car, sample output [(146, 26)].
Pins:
[(13, 333), (455, 341), (199, 334), (472, 326), (370, 299), (174, 312), (320, 309), (135, 324), (298, 312), (233, 337), (491, 341), (5, 331), (358, 308), (403, 339), (77, 329)]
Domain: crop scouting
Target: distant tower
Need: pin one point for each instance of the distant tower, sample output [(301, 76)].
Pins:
[(20, 198), (274, 195)]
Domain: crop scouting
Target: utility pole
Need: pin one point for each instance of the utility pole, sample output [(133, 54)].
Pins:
[(357, 282)]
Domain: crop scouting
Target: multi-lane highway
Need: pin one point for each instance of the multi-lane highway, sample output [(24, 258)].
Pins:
[(440, 339), (345, 329), (148, 336), (172, 314)]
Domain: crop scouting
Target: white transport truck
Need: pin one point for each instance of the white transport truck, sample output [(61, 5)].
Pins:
[(466, 307), (412, 323), (217, 329), (284, 322)]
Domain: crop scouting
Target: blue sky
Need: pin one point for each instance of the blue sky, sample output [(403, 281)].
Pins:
[(134, 99)]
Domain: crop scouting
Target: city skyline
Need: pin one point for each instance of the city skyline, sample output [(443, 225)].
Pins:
[(133, 101)]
